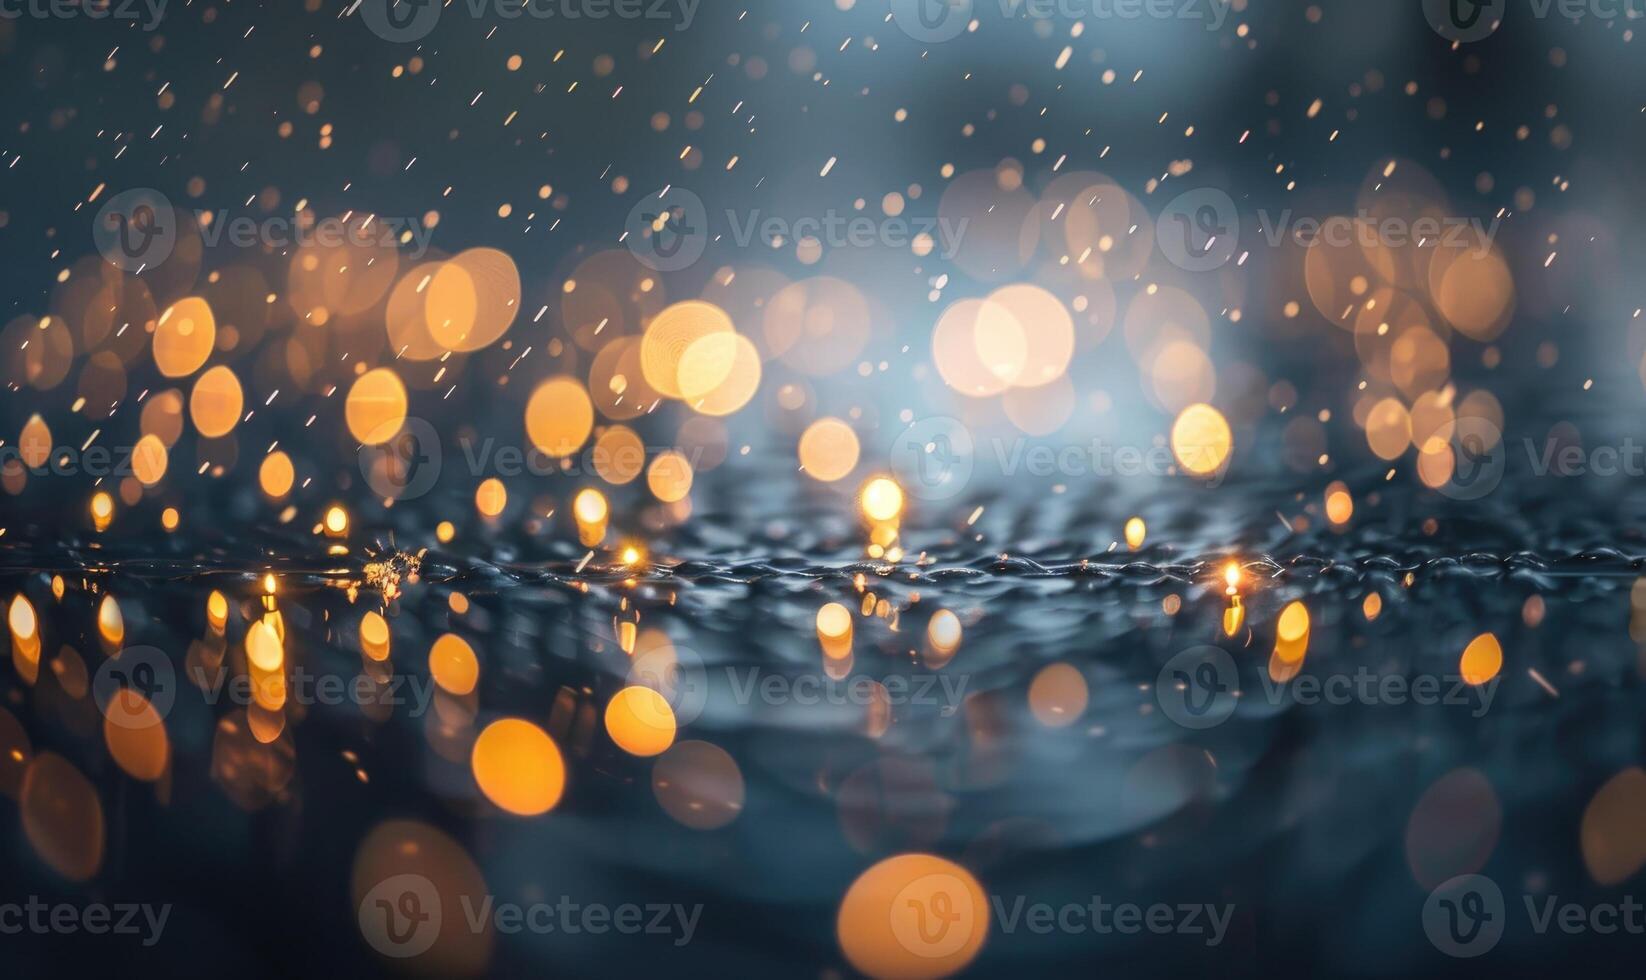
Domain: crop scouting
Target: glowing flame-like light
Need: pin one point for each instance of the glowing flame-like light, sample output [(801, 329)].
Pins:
[(1136, 531), (24, 624), (265, 662), (374, 636), (1481, 660), (1235, 615), (25, 638), (1340, 506), (102, 510), (944, 632), (881, 500), (834, 631), (110, 623), (1292, 633), (590, 509), (217, 611)]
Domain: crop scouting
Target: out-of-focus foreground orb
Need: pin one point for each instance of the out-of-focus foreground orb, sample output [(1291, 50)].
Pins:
[(1201, 440), (913, 916), (519, 767), (640, 721), (699, 785), (376, 407)]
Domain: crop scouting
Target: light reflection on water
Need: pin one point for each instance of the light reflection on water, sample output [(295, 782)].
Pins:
[(1039, 752)]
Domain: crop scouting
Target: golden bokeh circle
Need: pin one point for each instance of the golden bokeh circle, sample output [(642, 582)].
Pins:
[(913, 917), (559, 416), (376, 407), (184, 337), (518, 767), (216, 402)]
